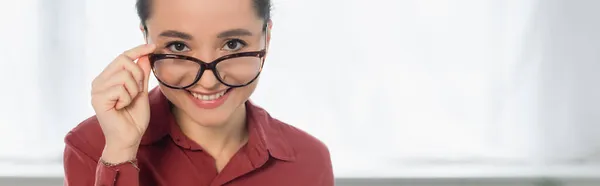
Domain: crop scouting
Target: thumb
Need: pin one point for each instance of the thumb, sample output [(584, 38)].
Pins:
[(144, 63)]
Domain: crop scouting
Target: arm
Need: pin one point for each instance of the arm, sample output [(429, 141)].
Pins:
[(83, 170), (120, 119)]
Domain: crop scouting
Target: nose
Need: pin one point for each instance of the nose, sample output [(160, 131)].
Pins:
[(208, 81)]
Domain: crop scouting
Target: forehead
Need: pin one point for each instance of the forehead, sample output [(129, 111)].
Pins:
[(203, 16)]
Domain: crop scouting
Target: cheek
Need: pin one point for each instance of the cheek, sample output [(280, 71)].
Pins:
[(175, 96), (242, 94)]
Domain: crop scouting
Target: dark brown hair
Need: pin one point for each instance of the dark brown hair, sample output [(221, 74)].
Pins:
[(262, 7)]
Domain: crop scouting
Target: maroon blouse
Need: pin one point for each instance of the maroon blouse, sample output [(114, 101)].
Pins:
[(276, 154)]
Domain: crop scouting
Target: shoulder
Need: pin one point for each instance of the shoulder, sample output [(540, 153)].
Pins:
[(306, 147), (86, 137), (286, 141), (311, 156)]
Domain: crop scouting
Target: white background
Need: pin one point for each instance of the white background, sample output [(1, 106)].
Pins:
[(393, 87)]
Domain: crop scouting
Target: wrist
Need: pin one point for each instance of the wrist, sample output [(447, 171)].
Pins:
[(132, 163), (118, 155)]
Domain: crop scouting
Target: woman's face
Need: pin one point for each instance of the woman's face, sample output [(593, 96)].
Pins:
[(206, 30)]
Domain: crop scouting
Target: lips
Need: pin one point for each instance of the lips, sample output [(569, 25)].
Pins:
[(209, 97), (209, 101)]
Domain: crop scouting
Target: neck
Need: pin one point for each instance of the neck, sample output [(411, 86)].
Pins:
[(221, 140)]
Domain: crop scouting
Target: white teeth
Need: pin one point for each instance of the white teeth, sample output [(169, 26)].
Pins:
[(208, 97)]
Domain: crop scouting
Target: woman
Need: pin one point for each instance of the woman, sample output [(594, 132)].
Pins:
[(197, 127)]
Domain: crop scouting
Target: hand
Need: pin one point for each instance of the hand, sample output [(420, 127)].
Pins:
[(120, 100)]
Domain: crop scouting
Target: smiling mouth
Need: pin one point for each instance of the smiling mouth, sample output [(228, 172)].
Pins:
[(209, 97)]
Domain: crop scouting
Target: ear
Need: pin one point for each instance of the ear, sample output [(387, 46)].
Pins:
[(268, 34), (144, 32)]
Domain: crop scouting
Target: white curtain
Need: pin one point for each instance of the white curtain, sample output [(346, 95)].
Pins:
[(389, 86)]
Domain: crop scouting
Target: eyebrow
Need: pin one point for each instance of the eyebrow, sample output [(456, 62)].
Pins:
[(234, 32), (177, 34)]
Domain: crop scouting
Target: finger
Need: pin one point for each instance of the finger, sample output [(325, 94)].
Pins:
[(118, 97), (144, 64), (115, 97), (124, 78), (137, 52), (137, 74), (126, 61)]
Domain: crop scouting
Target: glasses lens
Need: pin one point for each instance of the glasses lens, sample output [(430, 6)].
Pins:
[(176, 72), (239, 71)]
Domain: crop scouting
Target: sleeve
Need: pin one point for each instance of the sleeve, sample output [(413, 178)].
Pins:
[(327, 178), (81, 169)]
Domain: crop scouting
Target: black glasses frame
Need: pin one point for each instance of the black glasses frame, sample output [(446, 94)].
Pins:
[(208, 66)]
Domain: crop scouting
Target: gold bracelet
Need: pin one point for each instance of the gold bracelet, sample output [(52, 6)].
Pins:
[(132, 162)]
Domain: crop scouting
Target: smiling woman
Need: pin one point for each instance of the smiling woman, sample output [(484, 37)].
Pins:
[(401, 88), (197, 127)]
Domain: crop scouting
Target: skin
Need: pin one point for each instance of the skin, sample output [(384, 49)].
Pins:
[(204, 29)]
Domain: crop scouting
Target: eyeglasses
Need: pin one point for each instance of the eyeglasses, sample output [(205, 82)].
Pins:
[(181, 72)]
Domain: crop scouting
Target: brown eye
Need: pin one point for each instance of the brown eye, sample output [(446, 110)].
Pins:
[(178, 47), (234, 45)]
